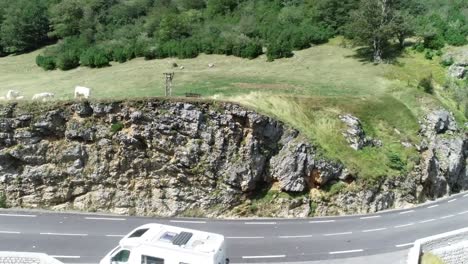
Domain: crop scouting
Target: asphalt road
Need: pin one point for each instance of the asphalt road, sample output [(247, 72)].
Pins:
[(86, 238)]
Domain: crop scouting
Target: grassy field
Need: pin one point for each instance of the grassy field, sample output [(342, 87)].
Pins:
[(322, 70), (308, 91)]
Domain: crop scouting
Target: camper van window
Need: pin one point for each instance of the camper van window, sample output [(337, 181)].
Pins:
[(122, 256), (151, 260), (139, 232)]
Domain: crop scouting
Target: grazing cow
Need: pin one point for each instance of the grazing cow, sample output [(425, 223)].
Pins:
[(182, 67), (211, 65), (82, 92), (12, 95), (43, 96)]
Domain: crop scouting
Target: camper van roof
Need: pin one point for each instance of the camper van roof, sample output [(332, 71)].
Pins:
[(173, 238)]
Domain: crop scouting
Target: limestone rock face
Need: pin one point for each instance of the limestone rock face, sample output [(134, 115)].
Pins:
[(444, 159), (163, 158), (152, 158)]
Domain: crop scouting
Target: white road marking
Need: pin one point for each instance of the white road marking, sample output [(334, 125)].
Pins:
[(407, 212), (62, 234), (323, 221), (115, 235), (466, 212), (18, 215), (258, 237), (10, 232), (346, 251), (303, 236), (453, 200), (188, 221), (260, 223), (105, 218), (447, 216), (259, 257), (374, 230), (398, 226), (427, 221), (65, 257), (432, 206), (370, 217), (338, 234), (404, 245)]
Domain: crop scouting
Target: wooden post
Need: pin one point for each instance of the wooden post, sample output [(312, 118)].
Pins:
[(169, 77)]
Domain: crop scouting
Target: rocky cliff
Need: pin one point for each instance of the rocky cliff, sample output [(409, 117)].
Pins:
[(151, 157), (164, 158)]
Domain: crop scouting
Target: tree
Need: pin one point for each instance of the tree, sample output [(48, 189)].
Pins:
[(65, 18), (220, 7), (374, 23), (334, 13), (404, 26), (25, 26)]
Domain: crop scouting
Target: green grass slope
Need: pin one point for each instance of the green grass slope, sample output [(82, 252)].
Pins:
[(308, 91)]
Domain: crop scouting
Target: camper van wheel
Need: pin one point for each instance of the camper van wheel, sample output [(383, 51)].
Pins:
[(227, 261)]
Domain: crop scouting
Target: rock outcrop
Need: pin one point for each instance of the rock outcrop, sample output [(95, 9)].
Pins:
[(151, 157), (442, 171), (444, 157), (459, 58), (355, 134)]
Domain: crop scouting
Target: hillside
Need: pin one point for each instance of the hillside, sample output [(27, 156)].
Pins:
[(308, 91)]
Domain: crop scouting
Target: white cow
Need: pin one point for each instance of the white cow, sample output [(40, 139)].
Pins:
[(82, 92), (12, 95), (43, 96), (211, 65)]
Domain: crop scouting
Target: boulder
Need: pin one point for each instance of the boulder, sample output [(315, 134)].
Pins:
[(456, 71), (438, 122)]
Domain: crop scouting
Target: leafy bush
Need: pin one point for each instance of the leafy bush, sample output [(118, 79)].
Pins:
[(252, 50), (116, 127), (429, 55), (119, 55), (151, 53), (337, 188), (278, 50), (187, 49), (446, 62), (46, 62), (455, 37), (94, 58), (395, 162), (419, 47), (466, 110), (426, 84), (434, 42), (3, 200), (67, 61)]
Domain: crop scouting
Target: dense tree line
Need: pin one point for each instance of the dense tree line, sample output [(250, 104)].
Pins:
[(95, 32)]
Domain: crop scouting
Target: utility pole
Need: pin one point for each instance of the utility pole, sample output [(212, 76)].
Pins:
[(169, 77)]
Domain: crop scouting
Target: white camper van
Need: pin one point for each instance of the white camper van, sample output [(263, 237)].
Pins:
[(163, 244)]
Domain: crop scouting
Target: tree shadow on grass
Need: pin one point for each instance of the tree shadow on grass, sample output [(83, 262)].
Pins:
[(391, 55)]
